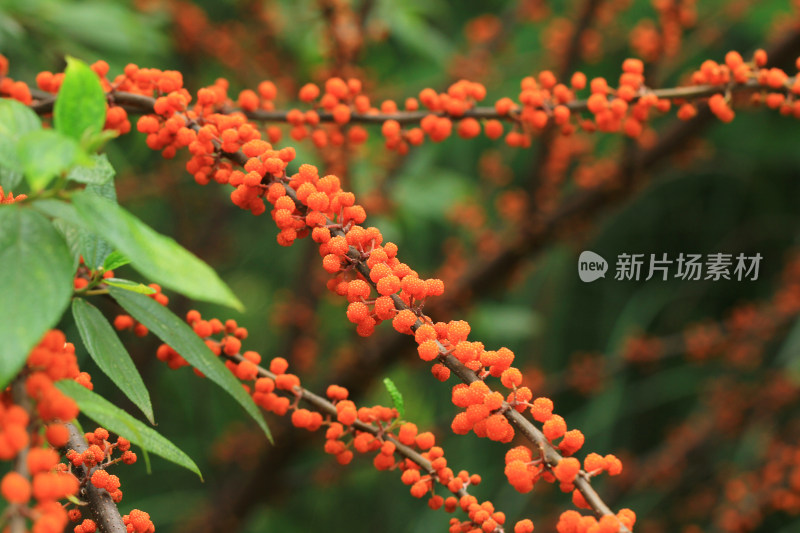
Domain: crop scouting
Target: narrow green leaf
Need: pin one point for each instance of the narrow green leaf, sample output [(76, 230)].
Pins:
[(44, 154), (118, 421), (128, 285), (115, 260), (155, 256), (35, 284), (80, 109), (397, 398), (98, 171), (178, 335), (112, 358)]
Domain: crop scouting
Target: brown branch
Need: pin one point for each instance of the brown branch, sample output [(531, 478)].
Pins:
[(545, 144), (588, 11), (138, 103), (102, 508)]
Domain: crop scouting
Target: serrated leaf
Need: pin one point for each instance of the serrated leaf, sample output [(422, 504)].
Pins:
[(114, 260), (155, 256), (35, 284), (107, 190), (112, 358), (178, 335), (397, 398), (44, 154), (118, 421), (128, 285), (99, 171), (80, 108)]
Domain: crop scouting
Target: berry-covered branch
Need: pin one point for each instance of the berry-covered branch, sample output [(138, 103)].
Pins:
[(357, 250), (102, 509), (724, 85), (305, 203), (349, 428), (35, 434)]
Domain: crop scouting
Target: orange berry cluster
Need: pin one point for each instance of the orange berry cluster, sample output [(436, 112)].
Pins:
[(307, 203), (341, 98), (123, 321), (18, 90), (276, 390), (777, 89), (47, 480), (49, 485), (138, 522), (51, 360), (10, 198), (98, 456), (574, 522)]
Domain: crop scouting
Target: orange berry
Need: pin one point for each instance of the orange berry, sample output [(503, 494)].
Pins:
[(57, 435), (15, 488), (308, 92), (554, 428)]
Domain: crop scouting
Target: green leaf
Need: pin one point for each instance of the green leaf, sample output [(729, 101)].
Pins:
[(129, 285), (397, 398), (16, 119), (107, 190), (35, 284), (80, 109), (180, 337), (155, 256), (115, 260), (98, 171), (81, 240), (112, 358), (58, 209), (72, 235), (93, 143), (94, 248), (118, 421), (9, 178), (44, 154)]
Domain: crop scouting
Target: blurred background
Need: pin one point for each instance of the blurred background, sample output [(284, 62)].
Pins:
[(694, 384)]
